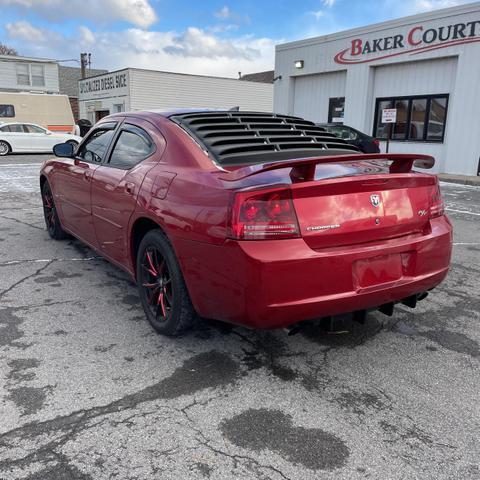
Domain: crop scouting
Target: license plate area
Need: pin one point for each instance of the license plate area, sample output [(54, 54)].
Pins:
[(370, 272)]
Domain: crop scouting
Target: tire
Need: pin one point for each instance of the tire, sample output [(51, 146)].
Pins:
[(5, 148), (52, 222), (161, 286)]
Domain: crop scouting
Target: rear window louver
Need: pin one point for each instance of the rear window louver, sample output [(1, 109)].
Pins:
[(233, 138)]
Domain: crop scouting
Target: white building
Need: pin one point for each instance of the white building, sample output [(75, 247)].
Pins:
[(23, 74), (426, 66), (138, 89)]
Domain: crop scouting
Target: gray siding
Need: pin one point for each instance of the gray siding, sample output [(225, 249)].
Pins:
[(162, 90), (312, 94)]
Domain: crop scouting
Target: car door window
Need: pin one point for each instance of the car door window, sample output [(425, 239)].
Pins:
[(94, 149), (132, 146), (16, 128), (34, 129)]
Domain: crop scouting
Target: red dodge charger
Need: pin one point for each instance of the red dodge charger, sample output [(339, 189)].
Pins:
[(258, 219)]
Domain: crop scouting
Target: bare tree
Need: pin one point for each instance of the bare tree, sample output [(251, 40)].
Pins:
[(6, 50)]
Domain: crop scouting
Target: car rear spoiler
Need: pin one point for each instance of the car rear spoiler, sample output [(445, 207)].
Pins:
[(304, 168)]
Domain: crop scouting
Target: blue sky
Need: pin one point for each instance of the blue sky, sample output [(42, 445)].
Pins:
[(211, 37)]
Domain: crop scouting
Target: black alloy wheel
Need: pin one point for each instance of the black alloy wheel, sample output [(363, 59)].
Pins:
[(50, 214), (162, 289)]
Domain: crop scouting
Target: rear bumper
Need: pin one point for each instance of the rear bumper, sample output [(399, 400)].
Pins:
[(269, 284)]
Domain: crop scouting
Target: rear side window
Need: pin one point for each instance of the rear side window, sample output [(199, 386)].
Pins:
[(15, 128), (7, 110), (133, 146), (96, 146)]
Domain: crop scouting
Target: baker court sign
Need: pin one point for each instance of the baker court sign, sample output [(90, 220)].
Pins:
[(416, 39)]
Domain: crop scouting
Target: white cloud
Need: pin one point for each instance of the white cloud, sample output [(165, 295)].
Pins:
[(329, 3), (318, 14), (24, 31), (86, 35), (225, 13), (136, 12), (197, 43), (193, 51)]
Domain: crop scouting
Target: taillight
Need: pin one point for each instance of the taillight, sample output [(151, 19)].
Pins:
[(262, 216), (436, 201)]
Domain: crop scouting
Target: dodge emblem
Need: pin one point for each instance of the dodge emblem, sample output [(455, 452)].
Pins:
[(375, 199)]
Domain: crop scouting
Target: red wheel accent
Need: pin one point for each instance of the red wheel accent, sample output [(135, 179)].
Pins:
[(157, 283)]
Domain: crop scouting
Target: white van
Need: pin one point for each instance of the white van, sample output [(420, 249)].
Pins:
[(51, 111)]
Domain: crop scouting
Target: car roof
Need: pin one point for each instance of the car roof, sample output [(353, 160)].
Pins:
[(170, 112), (20, 123), (333, 124)]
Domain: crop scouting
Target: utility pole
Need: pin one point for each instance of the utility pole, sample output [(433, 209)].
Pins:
[(85, 61)]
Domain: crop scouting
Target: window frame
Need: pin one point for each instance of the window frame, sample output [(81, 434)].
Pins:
[(410, 99), (115, 126), (129, 127), (30, 74), (13, 109), (42, 67), (40, 128)]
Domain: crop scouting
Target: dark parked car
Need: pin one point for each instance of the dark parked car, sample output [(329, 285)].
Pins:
[(253, 218), (362, 141)]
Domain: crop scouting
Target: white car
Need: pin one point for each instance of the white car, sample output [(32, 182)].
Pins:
[(28, 137)]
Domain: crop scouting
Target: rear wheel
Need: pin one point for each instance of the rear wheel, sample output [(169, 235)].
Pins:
[(162, 289), (50, 214), (5, 148)]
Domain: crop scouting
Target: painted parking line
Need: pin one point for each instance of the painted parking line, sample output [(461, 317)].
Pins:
[(465, 212)]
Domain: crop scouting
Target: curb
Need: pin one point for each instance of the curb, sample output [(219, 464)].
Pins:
[(460, 179)]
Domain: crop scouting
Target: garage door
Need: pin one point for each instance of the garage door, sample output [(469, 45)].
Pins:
[(313, 92), (416, 78)]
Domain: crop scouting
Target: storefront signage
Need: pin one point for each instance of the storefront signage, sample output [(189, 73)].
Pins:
[(417, 39), (103, 84)]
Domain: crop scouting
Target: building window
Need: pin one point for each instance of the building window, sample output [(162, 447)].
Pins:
[(7, 110), (30, 74), (420, 118), (23, 74), (38, 75)]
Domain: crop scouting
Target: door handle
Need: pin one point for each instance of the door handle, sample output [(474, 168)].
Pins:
[(130, 188)]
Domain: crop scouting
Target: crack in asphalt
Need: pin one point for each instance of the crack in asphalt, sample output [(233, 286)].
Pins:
[(16, 220), (205, 370), (46, 260), (24, 279)]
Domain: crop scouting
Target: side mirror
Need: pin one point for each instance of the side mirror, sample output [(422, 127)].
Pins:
[(63, 150), (48, 132)]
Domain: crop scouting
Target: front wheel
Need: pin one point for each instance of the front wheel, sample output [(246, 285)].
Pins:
[(4, 148), (50, 214), (162, 290)]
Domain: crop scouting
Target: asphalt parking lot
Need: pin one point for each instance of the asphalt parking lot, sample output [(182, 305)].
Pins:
[(89, 391)]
